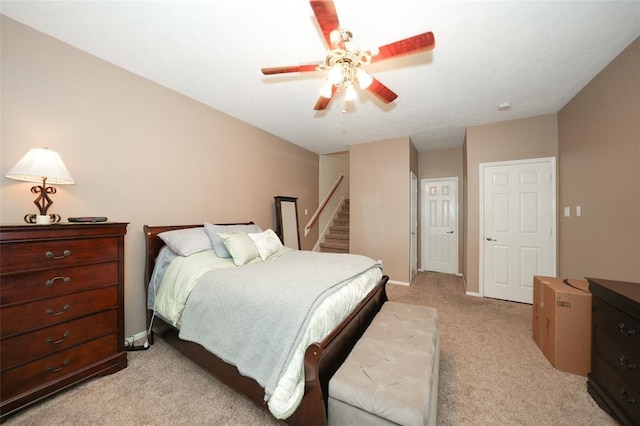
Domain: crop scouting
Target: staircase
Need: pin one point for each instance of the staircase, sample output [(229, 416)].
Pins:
[(337, 240)]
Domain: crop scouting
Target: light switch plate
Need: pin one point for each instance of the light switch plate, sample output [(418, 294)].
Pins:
[(567, 212)]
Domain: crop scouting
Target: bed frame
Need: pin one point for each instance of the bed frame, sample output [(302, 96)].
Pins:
[(321, 359)]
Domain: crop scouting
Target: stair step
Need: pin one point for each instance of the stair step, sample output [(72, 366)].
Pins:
[(339, 230), (334, 248), (337, 240), (341, 237)]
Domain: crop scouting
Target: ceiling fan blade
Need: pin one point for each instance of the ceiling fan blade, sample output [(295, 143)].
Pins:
[(414, 44), (323, 102), (385, 94), (327, 18), (292, 68)]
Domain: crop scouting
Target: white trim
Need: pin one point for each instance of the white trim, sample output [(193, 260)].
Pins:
[(413, 254), (473, 293), (554, 221), (403, 283)]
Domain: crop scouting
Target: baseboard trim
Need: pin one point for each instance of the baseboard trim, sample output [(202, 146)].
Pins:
[(406, 284), (473, 293)]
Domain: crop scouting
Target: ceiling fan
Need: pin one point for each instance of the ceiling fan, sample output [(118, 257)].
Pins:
[(345, 63)]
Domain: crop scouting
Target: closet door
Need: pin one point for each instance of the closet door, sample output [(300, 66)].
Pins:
[(287, 221)]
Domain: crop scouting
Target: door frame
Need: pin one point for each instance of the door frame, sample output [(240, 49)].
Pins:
[(423, 220), (554, 211), (413, 250)]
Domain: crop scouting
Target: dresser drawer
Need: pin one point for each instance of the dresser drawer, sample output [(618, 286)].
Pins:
[(618, 324), (26, 347), (22, 318), (37, 373), (621, 358), (36, 285), (620, 391), (25, 256)]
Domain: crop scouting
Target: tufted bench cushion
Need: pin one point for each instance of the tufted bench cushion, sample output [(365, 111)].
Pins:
[(391, 375)]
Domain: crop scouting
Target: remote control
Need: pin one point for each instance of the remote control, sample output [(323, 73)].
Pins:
[(88, 219)]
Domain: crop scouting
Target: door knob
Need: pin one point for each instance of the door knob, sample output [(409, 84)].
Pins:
[(490, 239), (449, 232)]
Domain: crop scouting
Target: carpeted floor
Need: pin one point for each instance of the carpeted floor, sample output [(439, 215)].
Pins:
[(491, 373)]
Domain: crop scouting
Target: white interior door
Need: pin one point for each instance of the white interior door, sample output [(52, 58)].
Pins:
[(414, 226), (517, 227), (440, 225)]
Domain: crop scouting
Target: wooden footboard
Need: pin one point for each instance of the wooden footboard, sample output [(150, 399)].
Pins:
[(321, 361)]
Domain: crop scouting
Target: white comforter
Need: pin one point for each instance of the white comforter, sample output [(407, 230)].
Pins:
[(184, 273)]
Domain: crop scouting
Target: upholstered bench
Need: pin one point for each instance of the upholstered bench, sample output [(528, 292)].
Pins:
[(391, 375)]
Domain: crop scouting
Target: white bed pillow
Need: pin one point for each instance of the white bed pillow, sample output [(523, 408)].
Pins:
[(240, 247), (266, 242), (218, 246), (185, 242)]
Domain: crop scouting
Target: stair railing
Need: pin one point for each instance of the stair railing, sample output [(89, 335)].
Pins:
[(322, 205)]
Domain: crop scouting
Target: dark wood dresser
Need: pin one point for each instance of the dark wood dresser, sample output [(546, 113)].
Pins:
[(614, 381), (61, 308)]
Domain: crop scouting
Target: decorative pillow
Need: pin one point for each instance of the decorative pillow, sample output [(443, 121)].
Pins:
[(218, 246), (186, 242), (266, 242), (240, 247)]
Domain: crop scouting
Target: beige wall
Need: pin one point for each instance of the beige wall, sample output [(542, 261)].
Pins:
[(440, 164), (380, 204), (599, 149), (511, 140), (139, 152)]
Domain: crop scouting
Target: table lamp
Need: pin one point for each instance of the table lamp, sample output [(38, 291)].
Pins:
[(42, 164)]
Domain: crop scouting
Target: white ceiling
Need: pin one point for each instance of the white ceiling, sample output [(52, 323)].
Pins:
[(536, 55)]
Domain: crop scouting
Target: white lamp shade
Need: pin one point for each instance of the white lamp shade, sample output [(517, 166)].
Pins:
[(40, 163), (364, 79), (350, 93)]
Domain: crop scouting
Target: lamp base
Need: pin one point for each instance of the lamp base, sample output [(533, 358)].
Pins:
[(42, 219)]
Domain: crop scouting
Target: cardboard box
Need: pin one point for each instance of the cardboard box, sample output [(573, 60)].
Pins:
[(562, 322)]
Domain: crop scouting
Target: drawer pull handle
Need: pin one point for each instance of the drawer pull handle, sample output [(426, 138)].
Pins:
[(51, 282), (625, 396), (50, 255), (625, 363), (50, 369), (55, 342), (626, 330), (55, 314)]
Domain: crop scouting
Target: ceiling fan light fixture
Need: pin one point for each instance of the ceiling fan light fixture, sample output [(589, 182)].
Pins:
[(344, 63), (364, 79), (350, 93), (334, 37), (336, 75)]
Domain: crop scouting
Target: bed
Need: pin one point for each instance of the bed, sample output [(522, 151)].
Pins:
[(320, 359)]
